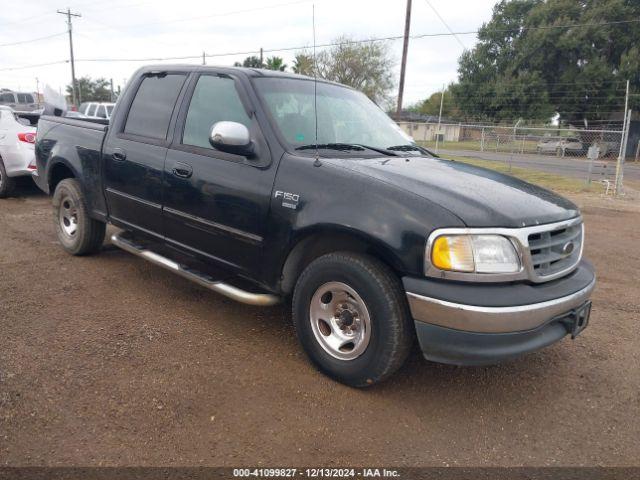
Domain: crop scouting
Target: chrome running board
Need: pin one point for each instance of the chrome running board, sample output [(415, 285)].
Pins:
[(260, 299)]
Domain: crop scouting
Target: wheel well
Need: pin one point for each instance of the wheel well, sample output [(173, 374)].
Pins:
[(315, 245), (58, 173)]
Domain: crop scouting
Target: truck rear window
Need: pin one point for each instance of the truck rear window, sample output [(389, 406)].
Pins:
[(152, 106), (25, 98)]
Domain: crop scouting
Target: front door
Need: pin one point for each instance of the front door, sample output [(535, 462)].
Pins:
[(215, 203), (135, 151)]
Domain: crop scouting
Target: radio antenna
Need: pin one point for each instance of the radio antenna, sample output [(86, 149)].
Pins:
[(315, 83)]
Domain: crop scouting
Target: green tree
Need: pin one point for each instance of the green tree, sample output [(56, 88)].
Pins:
[(523, 68), (89, 90), (276, 63), (431, 105), (365, 66), (250, 62), (303, 64)]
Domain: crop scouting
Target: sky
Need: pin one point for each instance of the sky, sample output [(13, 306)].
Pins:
[(143, 29)]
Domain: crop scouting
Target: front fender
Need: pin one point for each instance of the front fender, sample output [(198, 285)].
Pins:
[(333, 199)]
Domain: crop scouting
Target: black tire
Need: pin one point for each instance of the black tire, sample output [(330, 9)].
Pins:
[(69, 211), (391, 328), (7, 184)]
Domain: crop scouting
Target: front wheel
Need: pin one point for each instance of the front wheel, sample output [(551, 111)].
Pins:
[(352, 318), (78, 233)]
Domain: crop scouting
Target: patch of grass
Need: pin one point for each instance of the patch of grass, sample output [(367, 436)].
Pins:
[(551, 181), (491, 145)]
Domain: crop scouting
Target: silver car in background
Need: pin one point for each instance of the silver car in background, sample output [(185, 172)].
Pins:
[(19, 101), (560, 146)]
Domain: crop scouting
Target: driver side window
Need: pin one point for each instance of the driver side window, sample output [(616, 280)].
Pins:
[(215, 99)]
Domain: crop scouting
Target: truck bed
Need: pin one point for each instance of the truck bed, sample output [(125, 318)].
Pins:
[(76, 145)]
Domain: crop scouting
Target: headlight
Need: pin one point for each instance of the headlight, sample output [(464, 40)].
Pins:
[(475, 254)]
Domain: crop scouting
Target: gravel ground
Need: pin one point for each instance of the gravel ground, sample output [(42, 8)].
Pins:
[(108, 360)]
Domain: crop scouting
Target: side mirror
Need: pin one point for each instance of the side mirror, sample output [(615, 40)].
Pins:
[(231, 137)]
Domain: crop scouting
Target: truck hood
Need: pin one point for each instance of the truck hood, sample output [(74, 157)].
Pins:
[(478, 196)]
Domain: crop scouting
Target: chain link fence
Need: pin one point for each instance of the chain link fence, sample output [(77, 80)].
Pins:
[(588, 154)]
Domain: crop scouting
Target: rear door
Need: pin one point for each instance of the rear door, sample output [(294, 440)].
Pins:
[(216, 203), (134, 153)]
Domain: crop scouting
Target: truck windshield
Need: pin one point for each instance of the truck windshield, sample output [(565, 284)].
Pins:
[(348, 122)]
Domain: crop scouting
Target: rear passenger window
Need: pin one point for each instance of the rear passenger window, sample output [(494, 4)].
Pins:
[(91, 111), (102, 113), (152, 106), (214, 99)]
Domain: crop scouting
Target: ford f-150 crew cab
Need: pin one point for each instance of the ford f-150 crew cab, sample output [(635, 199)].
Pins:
[(264, 186)]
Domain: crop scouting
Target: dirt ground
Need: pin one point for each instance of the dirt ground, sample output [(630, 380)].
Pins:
[(108, 360)]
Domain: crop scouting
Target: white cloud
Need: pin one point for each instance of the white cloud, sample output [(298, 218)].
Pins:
[(164, 28)]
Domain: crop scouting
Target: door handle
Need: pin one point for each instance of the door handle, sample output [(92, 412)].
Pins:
[(119, 155), (182, 170)]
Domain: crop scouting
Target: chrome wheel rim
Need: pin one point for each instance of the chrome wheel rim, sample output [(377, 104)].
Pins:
[(68, 217), (340, 321)]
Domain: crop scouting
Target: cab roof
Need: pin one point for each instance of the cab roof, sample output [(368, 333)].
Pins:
[(250, 72)]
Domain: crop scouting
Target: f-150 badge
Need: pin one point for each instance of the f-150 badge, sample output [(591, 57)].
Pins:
[(289, 200)]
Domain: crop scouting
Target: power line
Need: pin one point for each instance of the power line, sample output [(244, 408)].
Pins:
[(331, 44), (24, 67), (26, 19), (21, 42), (570, 83), (201, 17), (445, 24)]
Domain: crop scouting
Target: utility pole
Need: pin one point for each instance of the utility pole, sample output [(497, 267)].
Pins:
[(261, 62), (38, 92), (111, 97), (204, 58), (439, 119), (405, 48), (623, 146), (75, 96)]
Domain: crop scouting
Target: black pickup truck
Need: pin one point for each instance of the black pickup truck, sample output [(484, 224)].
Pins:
[(265, 186)]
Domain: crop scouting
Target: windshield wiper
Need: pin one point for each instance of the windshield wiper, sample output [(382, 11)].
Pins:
[(411, 148), (345, 147)]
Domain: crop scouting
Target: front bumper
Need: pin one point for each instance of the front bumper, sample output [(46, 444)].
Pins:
[(471, 324)]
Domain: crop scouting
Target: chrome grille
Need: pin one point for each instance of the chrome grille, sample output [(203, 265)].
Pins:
[(555, 250)]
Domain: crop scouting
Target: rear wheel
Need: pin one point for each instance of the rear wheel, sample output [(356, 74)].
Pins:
[(78, 233), (7, 184), (352, 319)]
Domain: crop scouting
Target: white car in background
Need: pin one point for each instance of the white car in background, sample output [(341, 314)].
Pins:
[(17, 152), (97, 109), (560, 146)]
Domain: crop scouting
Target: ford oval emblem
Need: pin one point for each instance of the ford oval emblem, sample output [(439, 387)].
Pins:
[(567, 248)]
